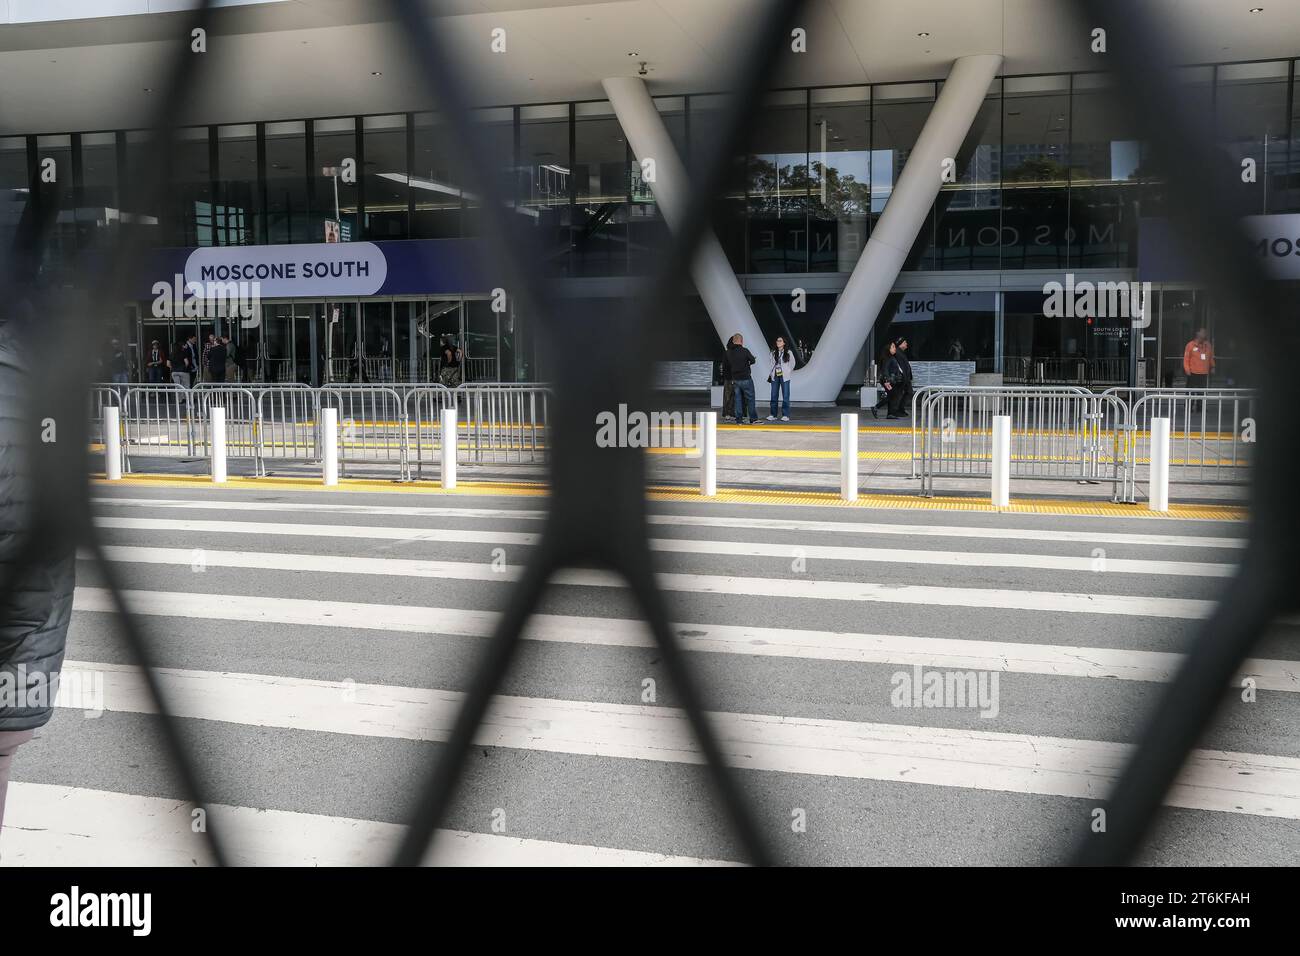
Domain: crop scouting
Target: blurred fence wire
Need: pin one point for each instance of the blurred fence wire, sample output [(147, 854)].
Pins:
[(597, 515)]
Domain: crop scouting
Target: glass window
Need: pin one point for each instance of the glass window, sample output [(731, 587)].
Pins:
[(385, 171), (335, 142), (777, 189), (54, 169), (141, 214), (707, 121), (237, 204), (288, 218), (600, 170), (191, 206), (435, 181), (647, 232), (1035, 173), (543, 176), (1105, 175), (968, 212), (899, 112), (99, 207), (15, 186), (840, 180), (1251, 122), (497, 131)]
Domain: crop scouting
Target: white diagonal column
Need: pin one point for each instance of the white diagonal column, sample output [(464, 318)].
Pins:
[(714, 278), (873, 276)]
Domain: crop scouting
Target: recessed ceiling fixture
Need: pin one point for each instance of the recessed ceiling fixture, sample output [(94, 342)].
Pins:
[(634, 53), (1256, 9), (923, 35), (148, 90), (376, 73)]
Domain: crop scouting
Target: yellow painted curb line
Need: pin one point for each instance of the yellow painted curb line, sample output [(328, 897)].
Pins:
[(758, 496)]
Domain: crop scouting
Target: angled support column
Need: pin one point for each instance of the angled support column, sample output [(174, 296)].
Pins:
[(877, 269)]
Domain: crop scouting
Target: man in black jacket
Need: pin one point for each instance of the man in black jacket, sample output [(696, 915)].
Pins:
[(36, 574), (728, 384), (904, 396), (740, 359)]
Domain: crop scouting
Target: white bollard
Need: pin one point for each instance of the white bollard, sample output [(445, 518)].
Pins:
[(112, 443), (329, 433), (448, 450), (1001, 461), (707, 436), (849, 456), (218, 424), (1159, 500)]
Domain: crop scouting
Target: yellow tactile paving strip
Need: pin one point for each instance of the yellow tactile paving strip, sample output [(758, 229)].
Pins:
[(1043, 506)]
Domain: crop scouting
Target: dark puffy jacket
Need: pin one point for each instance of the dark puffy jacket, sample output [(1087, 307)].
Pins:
[(739, 359), (34, 615)]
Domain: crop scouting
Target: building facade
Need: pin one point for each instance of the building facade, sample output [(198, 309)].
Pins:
[(1053, 185)]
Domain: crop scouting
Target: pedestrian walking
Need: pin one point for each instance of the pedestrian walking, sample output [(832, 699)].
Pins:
[(740, 359), (779, 378), (892, 380), (904, 400)]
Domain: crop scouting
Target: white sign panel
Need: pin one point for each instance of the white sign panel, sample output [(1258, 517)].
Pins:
[(921, 306), (310, 269), (1276, 240)]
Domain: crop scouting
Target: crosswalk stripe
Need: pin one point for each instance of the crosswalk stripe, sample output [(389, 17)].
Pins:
[(711, 521), (892, 556), (1222, 781), (1005, 656), (47, 824), (811, 589)]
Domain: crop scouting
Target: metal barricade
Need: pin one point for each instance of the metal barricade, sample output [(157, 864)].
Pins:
[(378, 369), (1056, 434), (287, 424), (1211, 434), (371, 423), (424, 405), (159, 421), (504, 422), (241, 421)]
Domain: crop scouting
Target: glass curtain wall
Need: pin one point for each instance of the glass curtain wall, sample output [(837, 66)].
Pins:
[(54, 180), (190, 211), (385, 171), (336, 174), (435, 181), (968, 210), (237, 209), (839, 161), (1251, 123), (99, 207), (288, 216), (777, 187), (543, 179), (601, 192)]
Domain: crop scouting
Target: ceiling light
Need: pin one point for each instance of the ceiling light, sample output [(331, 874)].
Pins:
[(1256, 9), (376, 73), (923, 35), (634, 53)]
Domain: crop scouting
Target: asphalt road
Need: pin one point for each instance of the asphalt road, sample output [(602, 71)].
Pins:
[(315, 643)]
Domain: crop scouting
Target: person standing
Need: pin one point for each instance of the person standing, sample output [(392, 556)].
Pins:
[(779, 377), (117, 367), (449, 370), (192, 356), (741, 359), (180, 365), (1198, 360), (728, 384), (154, 361), (216, 359), (232, 356), (205, 363)]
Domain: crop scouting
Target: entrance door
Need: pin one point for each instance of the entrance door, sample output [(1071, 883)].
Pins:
[(276, 364), (437, 322), (163, 332)]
